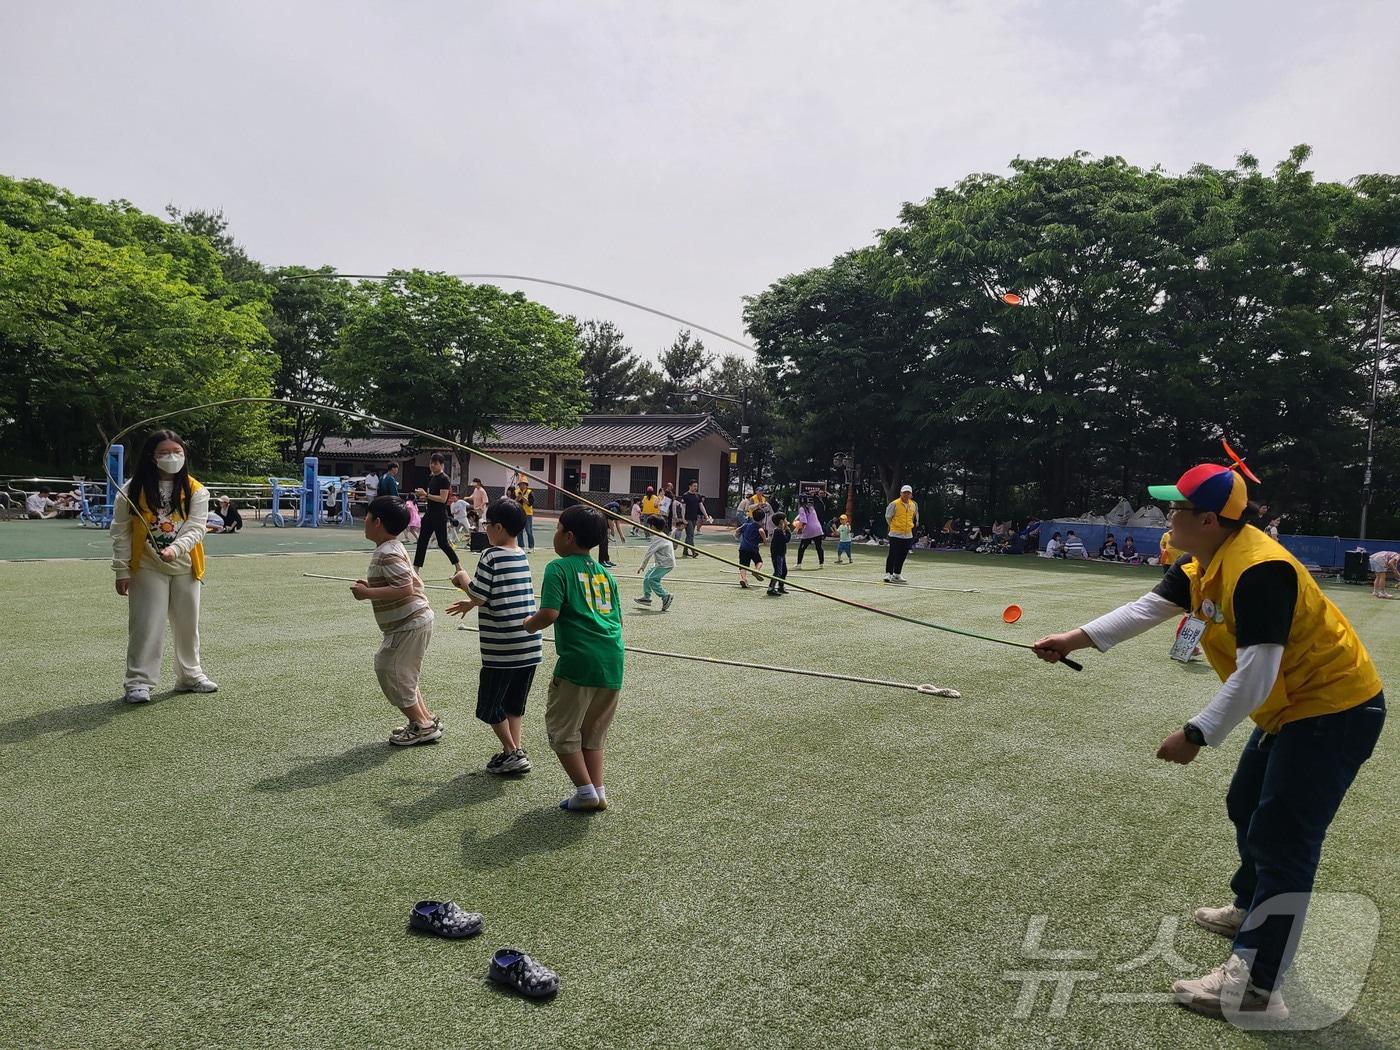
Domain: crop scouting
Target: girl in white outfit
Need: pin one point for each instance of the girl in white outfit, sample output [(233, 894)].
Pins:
[(158, 526)]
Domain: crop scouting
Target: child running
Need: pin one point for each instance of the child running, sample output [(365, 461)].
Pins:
[(579, 597), (843, 541), (403, 614), (777, 547), (751, 536), (501, 588), (664, 553)]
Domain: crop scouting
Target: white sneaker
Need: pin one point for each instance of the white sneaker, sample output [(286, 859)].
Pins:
[(1225, 921), (516, 762), (137, 694), (1225, 992), (889, 578), (202, 685)]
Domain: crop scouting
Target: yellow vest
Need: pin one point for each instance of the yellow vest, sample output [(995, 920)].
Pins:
[(144, 525), (1325, 666), (651, 505), (904, 514), (1169, 553)]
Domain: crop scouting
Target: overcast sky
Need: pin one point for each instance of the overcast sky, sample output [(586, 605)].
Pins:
[(683, 154)]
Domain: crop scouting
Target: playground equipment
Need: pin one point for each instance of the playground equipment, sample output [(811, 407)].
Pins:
[(310, 497)]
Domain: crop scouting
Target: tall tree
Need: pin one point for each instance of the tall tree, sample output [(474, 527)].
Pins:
[(682, 366), (308, 309), (610, 368), (457, 359)]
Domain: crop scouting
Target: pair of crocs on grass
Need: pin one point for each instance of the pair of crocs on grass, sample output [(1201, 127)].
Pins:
[(509, 966)]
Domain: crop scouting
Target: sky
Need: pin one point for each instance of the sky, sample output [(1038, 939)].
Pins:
[(682, 154)]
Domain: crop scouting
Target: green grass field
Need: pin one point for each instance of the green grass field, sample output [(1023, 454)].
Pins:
[(787, 862)]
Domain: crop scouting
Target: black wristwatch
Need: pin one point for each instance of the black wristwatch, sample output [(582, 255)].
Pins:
[(1194, 734)]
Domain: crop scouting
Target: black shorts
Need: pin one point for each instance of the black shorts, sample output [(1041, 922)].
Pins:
[(747, 558), (502, 691)]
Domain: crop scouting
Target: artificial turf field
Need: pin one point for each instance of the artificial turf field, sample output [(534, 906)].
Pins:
[(786, 862)]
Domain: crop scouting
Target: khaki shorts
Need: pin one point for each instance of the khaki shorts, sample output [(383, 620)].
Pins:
[(578, 716), (398, 663)]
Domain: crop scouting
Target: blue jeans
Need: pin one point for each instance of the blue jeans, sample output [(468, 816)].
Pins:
[(844, 547), (529, 532), (1284, 794), (651, 584)]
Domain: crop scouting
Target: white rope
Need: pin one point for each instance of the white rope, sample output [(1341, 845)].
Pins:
[(926, 689)]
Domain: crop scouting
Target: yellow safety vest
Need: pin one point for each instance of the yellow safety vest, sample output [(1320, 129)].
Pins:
[(1325, 666), (651, 505), (904, 515), (142, 527)]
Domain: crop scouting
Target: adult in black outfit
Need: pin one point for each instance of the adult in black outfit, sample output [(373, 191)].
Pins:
[(434, 501)]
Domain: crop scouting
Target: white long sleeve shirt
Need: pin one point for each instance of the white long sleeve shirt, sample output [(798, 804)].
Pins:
[(190, 533)]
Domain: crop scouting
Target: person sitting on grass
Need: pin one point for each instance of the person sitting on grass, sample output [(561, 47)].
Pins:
[(1055, 548), (502, 590), (40, 505), (1109, 550), (233, 521), (664, 554), (579, 598), (1129, 552), (1074, 546), (404, 616)]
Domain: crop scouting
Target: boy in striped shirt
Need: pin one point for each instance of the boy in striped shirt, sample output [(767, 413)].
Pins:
[(404, 616), (502, 590)]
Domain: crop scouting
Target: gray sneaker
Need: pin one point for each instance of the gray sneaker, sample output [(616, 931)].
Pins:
[(1225, 921), (516, 762), (199, 685), (666, 602), (407, 736), (494, 765), (137, 694), (642, 601)]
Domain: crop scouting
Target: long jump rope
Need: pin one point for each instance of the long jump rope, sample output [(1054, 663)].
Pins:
[(546, 483)]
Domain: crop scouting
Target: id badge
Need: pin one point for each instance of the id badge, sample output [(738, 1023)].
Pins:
[(1188, 638)]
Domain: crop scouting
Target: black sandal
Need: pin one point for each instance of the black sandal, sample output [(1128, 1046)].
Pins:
[(514, 969), (445, 919)]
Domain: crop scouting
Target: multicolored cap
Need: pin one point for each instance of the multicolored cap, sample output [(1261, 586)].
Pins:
[(1209, 486)]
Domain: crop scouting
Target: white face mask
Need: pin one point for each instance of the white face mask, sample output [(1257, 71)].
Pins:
[(171, 462)]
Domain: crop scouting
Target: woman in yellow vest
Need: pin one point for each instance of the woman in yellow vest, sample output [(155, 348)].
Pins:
[(1288, 660), (901, 516), (158, 526)]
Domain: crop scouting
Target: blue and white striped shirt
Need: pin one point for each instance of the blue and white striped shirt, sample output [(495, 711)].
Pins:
[(502, 582)]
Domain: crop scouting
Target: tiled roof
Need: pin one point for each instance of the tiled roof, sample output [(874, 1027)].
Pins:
[(373, 446), (643, 434)]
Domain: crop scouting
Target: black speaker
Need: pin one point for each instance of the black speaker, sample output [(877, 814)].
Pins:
[(1356, 567)]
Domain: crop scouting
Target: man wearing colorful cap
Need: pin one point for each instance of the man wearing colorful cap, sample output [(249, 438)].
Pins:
[(902, 515), (1290, 661)]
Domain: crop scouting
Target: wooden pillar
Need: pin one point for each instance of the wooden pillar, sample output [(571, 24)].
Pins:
[(668, 470), (553, 503)]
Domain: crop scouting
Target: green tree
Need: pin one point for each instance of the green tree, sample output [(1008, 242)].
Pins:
[(682, 366), (114, 320), (457, 359), (307, 311), (610, 368)]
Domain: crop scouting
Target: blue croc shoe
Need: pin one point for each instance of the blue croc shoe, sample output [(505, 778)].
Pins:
[(514, 969), (445, 919)]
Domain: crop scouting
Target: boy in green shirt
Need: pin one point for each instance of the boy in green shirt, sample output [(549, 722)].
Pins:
[(579, 597)]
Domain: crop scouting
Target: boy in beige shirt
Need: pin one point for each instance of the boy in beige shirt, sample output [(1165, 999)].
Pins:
[(402, 611)]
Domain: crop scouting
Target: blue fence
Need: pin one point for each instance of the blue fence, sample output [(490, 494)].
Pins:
[(1326, 551)]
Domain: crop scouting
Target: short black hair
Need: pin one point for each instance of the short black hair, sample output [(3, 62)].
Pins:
[(476, 481), (390, 511), (587, 525), (508, 514), (757, 514), (391, 466), (779, 517), (437, 457), (657, 522), (1055, 536)]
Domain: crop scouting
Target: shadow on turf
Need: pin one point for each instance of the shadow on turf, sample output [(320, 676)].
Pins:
[(541, 830), (458, 793), (329, 769), (79, 718)]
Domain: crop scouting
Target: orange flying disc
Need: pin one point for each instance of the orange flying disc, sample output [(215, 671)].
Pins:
[(1011, 613), (1011, 299)]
